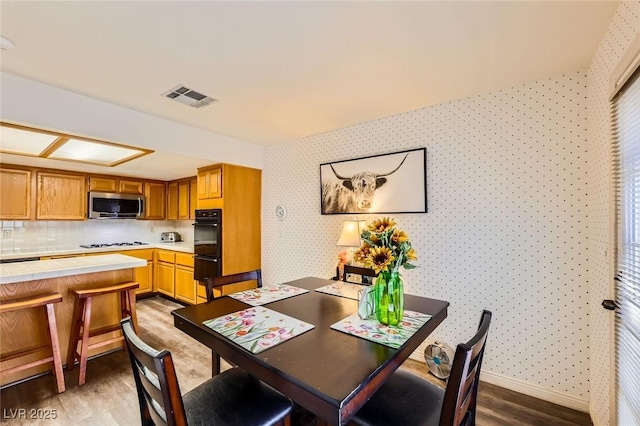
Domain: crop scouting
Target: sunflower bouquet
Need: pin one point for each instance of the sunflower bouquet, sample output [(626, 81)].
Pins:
[(385, 248)]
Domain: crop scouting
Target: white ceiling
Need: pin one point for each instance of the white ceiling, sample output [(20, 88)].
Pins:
[(285, 70)]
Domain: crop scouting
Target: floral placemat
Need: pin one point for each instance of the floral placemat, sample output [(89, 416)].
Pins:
[(267, 294), (388, 335), (342, 289), (258, 328)]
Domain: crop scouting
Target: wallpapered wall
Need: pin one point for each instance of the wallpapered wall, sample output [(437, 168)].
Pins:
[(506, 228), (624, 27)]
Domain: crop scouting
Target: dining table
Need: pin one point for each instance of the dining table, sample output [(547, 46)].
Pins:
[(327, 372)]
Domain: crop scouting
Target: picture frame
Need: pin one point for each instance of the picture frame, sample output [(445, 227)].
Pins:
[(385, 183)]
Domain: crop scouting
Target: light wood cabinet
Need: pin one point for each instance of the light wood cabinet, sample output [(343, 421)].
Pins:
[(61, 196), (210, 183), (185, 285), (154, 193), (15, 194), (172, 201), (193, 197), (102, 184), (143, 274), (240, 203), (166, 278), (183, 200), (130, 186)]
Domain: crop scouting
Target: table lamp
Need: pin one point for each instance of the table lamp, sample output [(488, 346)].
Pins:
[(350, 236)]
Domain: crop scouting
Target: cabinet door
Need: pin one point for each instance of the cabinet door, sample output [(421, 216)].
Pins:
[(144, 277), (102, 184), (15, 194), (61, 196), (183, 200), (185, 285), (172, 201), (165, 279), (193, 198), (130, 186), (210, 183), (155, 199)]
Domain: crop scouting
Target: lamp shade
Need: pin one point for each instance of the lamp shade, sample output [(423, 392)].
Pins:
[(350, 235)]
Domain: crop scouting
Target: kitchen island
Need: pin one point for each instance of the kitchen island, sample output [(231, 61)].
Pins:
[(22, 330)]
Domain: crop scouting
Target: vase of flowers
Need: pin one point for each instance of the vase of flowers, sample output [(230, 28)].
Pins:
[(385, 249)]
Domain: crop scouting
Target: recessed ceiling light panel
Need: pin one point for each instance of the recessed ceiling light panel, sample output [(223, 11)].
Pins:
[(189, 97)]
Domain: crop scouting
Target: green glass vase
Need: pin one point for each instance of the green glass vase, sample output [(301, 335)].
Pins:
[(389, 302)]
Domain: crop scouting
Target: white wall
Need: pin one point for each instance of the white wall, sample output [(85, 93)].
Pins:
[(624, 27), (506, 228), (48, 235)]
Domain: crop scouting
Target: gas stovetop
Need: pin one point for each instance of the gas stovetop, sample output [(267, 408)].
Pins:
[(135, 243)]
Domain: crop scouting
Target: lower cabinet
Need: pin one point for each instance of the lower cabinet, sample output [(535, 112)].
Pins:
[(185, 285), (165, 278)]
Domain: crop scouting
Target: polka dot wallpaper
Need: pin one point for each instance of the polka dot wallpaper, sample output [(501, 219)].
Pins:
[(624, 27), (507, 224)]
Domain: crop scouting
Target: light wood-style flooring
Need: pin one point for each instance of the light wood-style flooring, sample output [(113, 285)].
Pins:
[(109, 395)]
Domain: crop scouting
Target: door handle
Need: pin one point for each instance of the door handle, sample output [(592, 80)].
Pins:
[(609, 304)]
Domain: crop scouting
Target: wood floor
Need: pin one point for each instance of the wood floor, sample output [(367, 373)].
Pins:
[(109, 395)]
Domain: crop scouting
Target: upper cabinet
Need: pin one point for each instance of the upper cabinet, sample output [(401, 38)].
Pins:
[(113, 184), (130, 186), (193, 197), (155, 194), (15, 194), (172, 201), (183, 200), (61, 196), (210, 182)]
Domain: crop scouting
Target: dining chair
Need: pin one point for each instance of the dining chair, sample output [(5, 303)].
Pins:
[(231, 398), (407, 399), (212, 282), (367, 275)]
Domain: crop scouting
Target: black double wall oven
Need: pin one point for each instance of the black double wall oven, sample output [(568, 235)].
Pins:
[(207, 244)]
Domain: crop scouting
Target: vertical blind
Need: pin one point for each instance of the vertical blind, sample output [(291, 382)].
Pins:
[(626, 155)]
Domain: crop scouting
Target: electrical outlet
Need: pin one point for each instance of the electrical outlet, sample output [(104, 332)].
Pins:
[(6, 233)]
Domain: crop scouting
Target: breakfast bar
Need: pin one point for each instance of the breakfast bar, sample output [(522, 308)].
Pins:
[(27, 329)]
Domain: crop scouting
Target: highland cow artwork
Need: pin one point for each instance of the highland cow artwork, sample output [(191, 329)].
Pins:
[(386, 183)]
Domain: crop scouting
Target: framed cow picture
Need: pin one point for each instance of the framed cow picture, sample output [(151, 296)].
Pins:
[(386, 183)]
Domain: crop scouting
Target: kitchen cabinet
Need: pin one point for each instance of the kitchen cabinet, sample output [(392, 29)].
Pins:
[(144, 274), (154, 193), (61, 196), (172, 201), (193, 197), (210, 182), (239, 198), (183, 200), (102, 184), (185, 285), (15, 194), (130, 186), (165, 273)]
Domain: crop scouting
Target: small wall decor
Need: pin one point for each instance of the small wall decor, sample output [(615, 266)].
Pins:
[(386, 183)]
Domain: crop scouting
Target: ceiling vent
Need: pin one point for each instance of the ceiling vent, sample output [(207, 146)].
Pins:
[(189, 97)]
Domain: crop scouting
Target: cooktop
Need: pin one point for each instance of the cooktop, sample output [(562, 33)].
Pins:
[(135, 243)]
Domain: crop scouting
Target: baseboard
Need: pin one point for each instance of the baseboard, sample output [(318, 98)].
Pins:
[(526, 388)]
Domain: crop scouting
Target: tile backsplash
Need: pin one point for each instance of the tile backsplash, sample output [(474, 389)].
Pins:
[(27, 236)]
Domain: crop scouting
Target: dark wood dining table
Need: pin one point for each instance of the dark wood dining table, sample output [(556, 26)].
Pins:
[(327, 372)]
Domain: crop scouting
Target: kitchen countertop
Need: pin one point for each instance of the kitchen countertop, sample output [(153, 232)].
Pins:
[(185, 247), (43, 269)]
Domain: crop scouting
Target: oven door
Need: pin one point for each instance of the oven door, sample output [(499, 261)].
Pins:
[(205, 267), (206, 239)]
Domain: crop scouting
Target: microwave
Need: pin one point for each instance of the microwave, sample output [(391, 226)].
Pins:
[(107, 205)]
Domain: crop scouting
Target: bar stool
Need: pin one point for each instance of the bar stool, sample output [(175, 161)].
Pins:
[(47, 301), (81, 323)]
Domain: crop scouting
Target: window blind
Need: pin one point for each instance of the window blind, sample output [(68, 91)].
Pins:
[(626, 155)]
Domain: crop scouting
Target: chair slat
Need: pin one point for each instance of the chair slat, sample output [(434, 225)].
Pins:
[(213, 282)]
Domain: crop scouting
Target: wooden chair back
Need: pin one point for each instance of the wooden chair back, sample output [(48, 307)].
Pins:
[(459, 405), (212, 282), (156, 381), (363, 272)]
